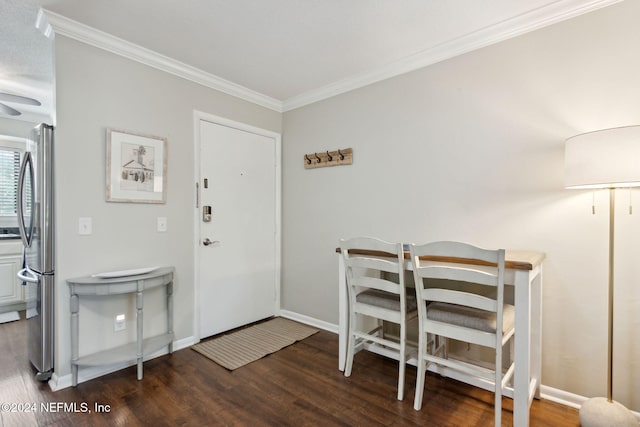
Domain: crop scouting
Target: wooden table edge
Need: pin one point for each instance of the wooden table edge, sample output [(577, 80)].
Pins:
[(514, 259)]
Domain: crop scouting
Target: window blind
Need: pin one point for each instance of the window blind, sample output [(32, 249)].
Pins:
[(9, 170)]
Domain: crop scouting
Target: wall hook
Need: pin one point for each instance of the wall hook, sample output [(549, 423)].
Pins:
[(341, 157)]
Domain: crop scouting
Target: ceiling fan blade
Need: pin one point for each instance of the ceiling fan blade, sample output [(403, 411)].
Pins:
[(5, 109), (7, 97)]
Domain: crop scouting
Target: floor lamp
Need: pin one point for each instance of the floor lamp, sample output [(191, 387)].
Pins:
[(610, 159)]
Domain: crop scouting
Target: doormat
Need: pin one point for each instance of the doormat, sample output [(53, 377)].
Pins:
[(9, 317), (250, 344)]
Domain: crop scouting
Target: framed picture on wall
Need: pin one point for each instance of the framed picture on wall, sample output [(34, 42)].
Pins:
[(136, 167)]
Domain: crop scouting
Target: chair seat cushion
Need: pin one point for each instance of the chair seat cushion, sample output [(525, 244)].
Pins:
[(386, 300), (469, 317)]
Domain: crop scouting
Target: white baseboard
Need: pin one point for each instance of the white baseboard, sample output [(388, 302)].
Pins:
[(562, 397), (85, 374), (568, 399), (330, 327)]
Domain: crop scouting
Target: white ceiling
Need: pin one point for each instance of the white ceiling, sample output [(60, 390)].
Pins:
[(290, 52)]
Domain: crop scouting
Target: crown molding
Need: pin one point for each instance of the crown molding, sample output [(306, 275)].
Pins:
[(555, 12), (69, 28), (538, 18)]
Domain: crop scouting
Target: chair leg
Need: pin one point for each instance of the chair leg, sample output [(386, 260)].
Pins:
[(351, 343), (498, 405), (402, 361), (421, 371), (446, 347), (498, 385)]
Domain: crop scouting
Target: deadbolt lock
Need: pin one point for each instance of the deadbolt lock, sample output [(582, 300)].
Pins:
[(206, 213)]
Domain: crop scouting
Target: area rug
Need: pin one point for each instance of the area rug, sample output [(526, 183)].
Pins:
[(254, 342), (9, 317)]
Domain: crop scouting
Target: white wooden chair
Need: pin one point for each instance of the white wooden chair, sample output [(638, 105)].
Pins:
[(375, 293), (463, 315)]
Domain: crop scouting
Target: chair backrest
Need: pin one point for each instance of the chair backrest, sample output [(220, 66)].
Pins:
[(460, 262), (365, 257)]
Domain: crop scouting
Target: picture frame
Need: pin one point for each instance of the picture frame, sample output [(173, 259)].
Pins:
[(136, 169)]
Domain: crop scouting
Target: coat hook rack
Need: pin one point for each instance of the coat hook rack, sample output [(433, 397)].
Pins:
[(340, 157)]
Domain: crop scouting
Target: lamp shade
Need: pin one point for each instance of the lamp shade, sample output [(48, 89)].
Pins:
[(608, 158)]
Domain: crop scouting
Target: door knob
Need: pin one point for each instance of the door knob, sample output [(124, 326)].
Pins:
[(208, 241)]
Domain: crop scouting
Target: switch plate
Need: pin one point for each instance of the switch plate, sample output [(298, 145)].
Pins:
[(85, 226), (162, 224)]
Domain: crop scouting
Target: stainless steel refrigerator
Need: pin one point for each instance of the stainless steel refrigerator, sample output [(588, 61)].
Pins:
[(36, 223)]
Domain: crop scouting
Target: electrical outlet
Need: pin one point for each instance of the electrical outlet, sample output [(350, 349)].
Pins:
[(162, 224), (119, 322), (84, 226)]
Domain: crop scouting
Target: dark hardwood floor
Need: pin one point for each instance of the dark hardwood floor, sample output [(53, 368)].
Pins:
[(297, 386)]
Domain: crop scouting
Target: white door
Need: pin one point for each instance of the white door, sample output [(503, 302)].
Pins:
[(238, 269)]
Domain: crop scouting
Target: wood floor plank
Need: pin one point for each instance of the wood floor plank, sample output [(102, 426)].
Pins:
[(297, 386)]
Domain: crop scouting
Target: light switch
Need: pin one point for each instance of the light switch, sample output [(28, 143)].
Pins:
[(84, 226), (162, 224)]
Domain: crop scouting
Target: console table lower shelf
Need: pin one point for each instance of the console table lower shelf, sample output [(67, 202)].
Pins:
[(137, 350), (125, 353)]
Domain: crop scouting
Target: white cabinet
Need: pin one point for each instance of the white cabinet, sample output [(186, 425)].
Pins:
[(11, 289)]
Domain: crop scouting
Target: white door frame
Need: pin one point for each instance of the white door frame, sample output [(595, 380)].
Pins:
[(199, 116)]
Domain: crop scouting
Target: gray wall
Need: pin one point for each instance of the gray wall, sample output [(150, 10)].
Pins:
[(97, 90), (472, 149)]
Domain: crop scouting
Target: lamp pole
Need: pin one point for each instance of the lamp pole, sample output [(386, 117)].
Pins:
[(612, 220), (598, 411)]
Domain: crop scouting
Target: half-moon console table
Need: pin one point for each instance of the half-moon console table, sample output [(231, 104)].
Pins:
[(106, 286)]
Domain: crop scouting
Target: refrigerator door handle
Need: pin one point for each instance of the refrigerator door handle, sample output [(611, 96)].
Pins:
[(26, 276), (25, 234)]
